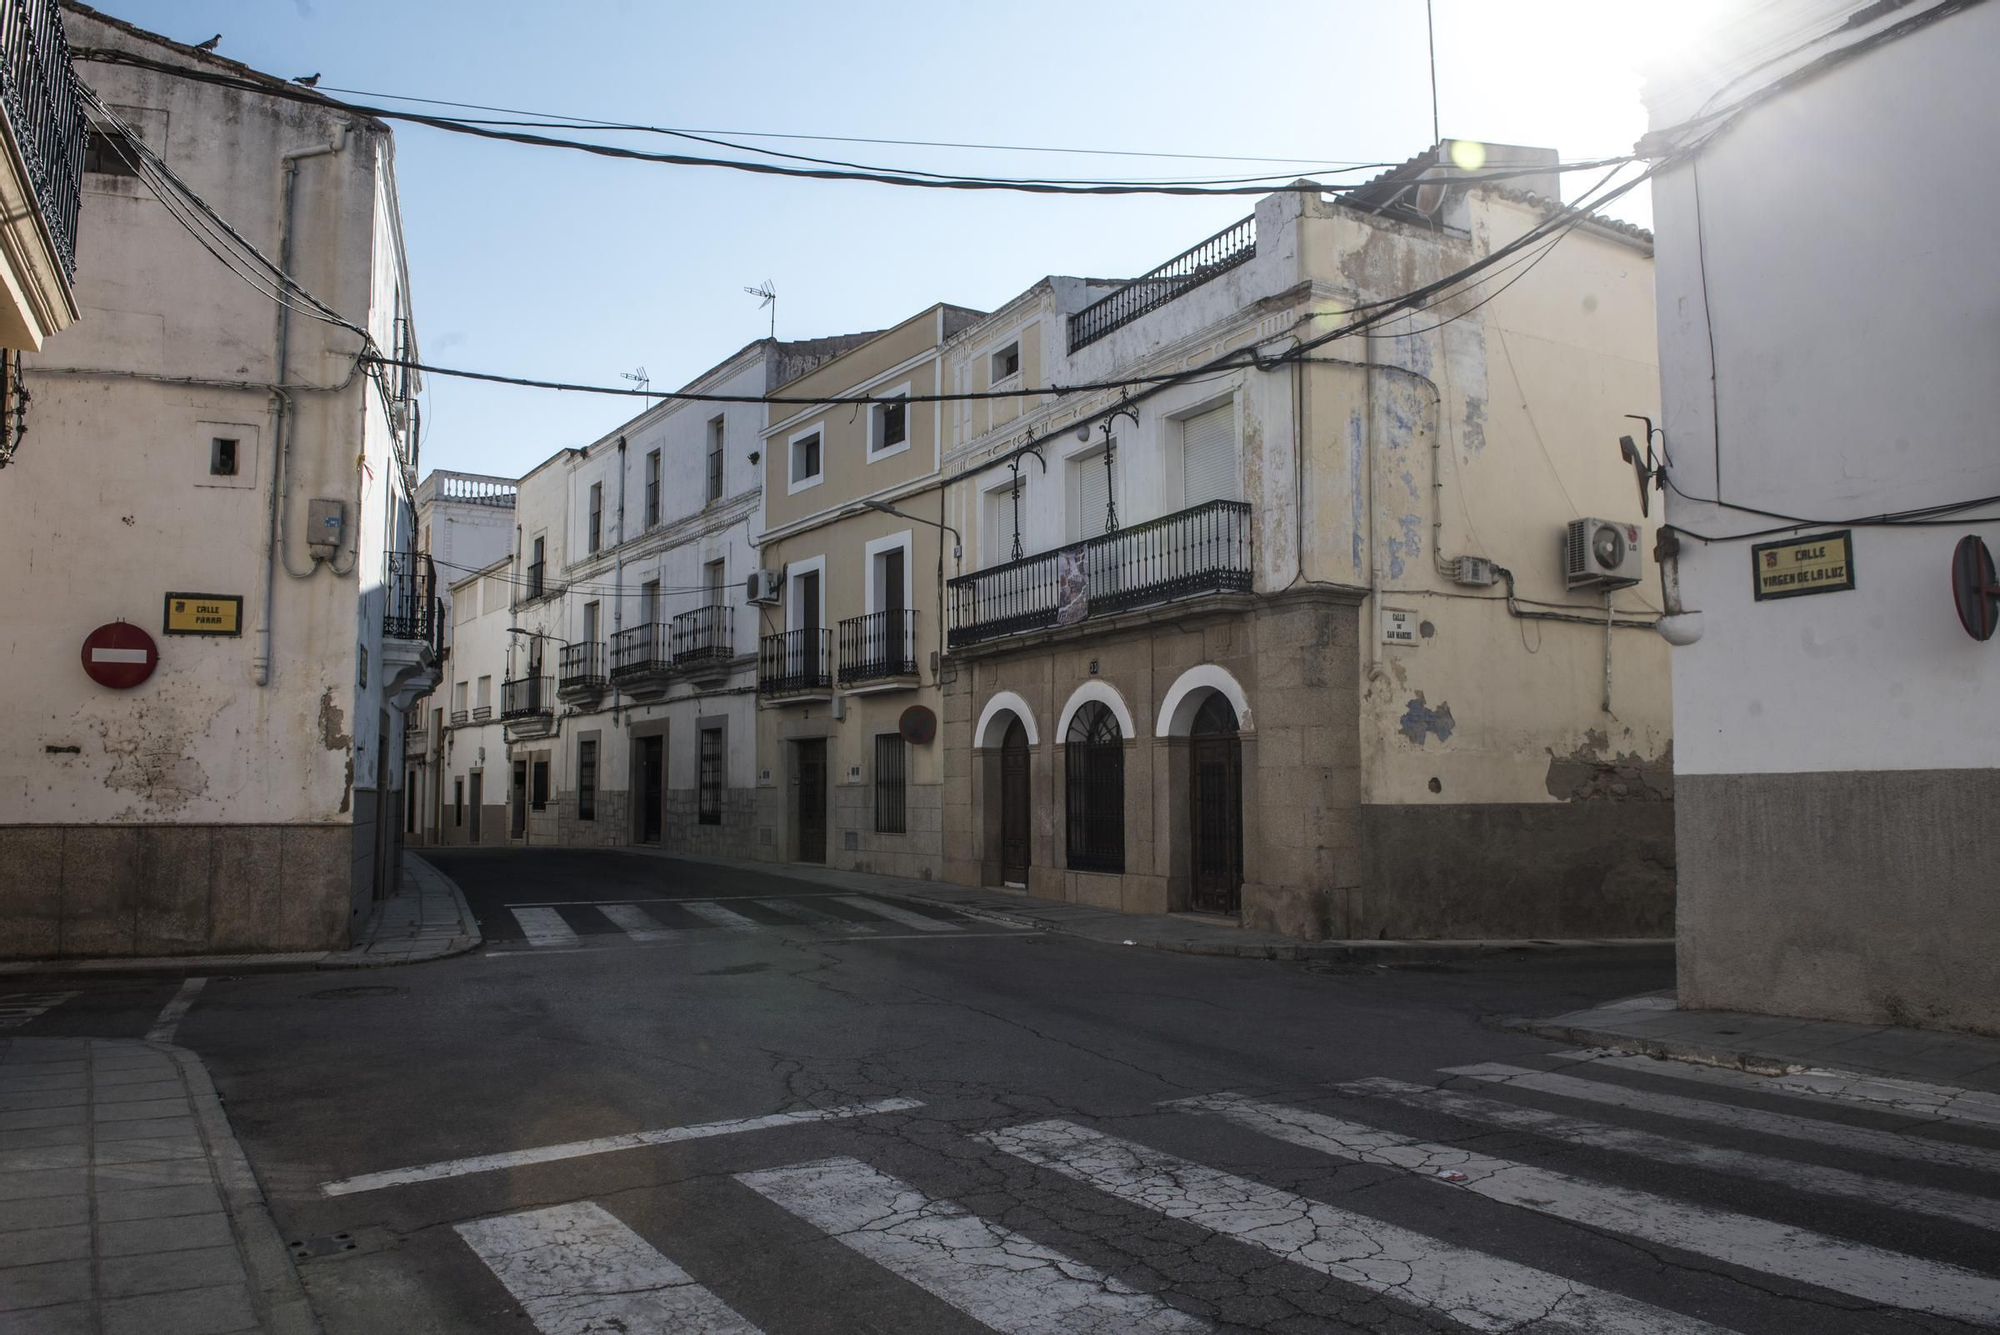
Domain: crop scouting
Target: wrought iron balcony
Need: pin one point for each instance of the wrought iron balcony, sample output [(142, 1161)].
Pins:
[(1233, 245), (878, 647), (523, 697), (640, 651), (410, 601), (1202, 550), (581, 667), (794, 661), (39, 86), (704, 635)]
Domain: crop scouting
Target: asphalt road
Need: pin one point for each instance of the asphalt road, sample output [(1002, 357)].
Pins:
[(954, 1126)]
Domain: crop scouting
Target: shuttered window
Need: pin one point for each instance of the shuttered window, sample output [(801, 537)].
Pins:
[(1093, 495), (890, 803), (1208, 457), (586, 779), (709, 758)]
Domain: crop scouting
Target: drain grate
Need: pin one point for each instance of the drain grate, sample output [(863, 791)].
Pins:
[(348, 993), (331, 1245)]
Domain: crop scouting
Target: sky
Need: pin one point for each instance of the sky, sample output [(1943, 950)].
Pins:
[(555, 265)]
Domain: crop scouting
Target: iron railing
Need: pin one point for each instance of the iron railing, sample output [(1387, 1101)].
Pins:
[(39, 87), (581, 665), (1231, 246), (410, 601), (795, 660), (881, 644), (639, 651), (706, 634), (521, 697), (1202, 550), (460, 717), (481, 713)]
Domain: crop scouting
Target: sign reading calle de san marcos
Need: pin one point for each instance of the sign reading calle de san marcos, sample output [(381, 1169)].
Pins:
[(1822, 563), (204, 614)]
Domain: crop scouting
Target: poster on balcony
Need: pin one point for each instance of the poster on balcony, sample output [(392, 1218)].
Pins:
[(1072, 585)]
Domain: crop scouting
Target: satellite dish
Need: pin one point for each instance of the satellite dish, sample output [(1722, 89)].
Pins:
[(918, 725)]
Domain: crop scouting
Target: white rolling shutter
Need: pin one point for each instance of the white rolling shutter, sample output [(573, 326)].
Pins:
[(1093, 495), (1208, 457)]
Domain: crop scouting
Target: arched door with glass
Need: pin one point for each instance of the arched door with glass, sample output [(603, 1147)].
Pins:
[(1094, 798), (1014, 821), (1215, 815)]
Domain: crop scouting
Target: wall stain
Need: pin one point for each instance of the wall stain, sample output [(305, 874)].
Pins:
[(152, 761), (1589, 774), (1420, 721), (333, 739)]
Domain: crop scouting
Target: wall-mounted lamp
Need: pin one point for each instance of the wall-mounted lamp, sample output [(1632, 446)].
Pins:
[(958, 543)]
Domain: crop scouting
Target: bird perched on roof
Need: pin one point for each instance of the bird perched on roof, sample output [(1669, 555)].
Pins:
[(210, 44), (307, 80)]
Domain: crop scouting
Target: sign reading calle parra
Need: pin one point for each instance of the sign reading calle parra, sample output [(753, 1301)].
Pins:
[(204, 614), (1823, 563)]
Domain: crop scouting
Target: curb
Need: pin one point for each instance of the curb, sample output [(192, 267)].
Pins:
[(275, 1292), (1666, 1049)]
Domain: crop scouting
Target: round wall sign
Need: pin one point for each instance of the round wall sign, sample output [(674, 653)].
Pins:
[(119, 655), (1974, 588), (918, 725)]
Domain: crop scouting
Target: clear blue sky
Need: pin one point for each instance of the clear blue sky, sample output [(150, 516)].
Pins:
[(537, 262)]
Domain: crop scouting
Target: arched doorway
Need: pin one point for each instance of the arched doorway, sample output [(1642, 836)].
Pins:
[(1014, 824), (1094, 789), (1215, 815)]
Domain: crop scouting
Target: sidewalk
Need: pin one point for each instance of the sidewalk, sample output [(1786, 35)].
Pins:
[(126, 1204), (1183, 933), (1815, 1051), (426, 919)]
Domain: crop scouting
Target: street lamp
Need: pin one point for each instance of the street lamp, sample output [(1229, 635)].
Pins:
[(957, 543)]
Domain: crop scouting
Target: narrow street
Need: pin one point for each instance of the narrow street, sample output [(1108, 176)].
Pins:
[(842, 1114)]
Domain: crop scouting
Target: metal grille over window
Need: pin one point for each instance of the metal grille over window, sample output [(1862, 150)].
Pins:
[(586, 780), (711, 778), (1094, 803), (891, 789)]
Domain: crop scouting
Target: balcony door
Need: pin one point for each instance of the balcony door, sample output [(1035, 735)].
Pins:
[(806, 664)]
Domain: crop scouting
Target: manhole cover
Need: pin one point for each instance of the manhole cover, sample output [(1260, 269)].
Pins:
[(347, 993), (327, 1246)]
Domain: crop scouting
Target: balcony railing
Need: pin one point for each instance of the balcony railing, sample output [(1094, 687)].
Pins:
[(707, 634), (522, 697), (1202, 550), (797, 660), (410, 607), (481, 713), (881, 644), (640, 650), (581, 665), (460, 717), (38, 85), (1231, 246)]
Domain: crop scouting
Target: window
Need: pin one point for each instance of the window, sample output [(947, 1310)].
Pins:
[(717, 584), (996, 521), (1090, 484), (596, 515), (712, 777), (590, 622), (1007, 362), (458, 801), (889, 425), (1094, 767), (1208, 457), (805, 458), (652, 488), (109, 152), (586, 779), (535, 567), (649, 602), (222, 457), (458, 698), (483, 697), (891, 815), (715, 459), (541, 790)]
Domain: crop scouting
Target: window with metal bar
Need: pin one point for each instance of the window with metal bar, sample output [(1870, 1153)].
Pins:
[(652, 488), (891, 804), (711, 778), (715, 458), (586, 779), (596, 515), (1094, 801), (541, 789)]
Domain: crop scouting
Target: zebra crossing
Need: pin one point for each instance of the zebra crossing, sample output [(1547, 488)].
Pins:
[(1483, 1130), (19, 1008), (567, 926)]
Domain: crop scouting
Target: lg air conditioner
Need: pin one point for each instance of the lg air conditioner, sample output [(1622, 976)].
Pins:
[(761, 587), (1601, 553)]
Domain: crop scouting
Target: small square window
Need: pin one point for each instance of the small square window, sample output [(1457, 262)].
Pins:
[(222, 457), (109, 152), (892, 425), (1007, 362), (805, 458)]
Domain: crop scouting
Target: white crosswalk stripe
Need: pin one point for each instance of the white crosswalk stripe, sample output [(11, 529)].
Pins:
[(544, 927), (578, 1270), (894, 914), (728, 919), (815, 917), (1010, 1283), (22, 1007), (1865, 1140), (1892, 1278), (1483, 1292), (1966, 1207), (1911, 1097), (636, 923)]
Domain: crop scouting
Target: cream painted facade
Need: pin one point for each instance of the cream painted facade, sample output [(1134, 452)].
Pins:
[(242, 798), (850, 645), (1471, 779)]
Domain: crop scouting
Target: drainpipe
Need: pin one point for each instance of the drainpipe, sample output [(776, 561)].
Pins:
[(617, 581), (281, 408)]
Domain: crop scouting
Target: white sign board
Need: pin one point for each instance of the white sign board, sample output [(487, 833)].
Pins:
[(1398, 626)]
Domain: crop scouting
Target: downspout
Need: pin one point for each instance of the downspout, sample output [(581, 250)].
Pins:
[(281, 408), (617, 581)]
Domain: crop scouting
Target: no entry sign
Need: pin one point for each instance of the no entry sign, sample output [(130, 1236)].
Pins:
[(119, 655)]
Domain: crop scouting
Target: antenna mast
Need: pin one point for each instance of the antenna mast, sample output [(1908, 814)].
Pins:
[(770, 299)]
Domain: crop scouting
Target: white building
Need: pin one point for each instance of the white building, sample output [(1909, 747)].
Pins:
[(1827, 342), (466, 740), (232, 483)]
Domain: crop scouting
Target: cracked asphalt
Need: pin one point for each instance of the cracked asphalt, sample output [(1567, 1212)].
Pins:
[(1043, 1160)]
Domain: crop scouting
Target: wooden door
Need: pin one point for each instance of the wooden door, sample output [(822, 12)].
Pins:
[(1014, 854), (812, 801), (1215, 815), (652, 780)]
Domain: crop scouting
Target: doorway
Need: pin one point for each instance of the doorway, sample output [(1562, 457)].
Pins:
[(812, 800), (478, 800), (1014, 854), (652, 777), (1215, 816), (519, 806)]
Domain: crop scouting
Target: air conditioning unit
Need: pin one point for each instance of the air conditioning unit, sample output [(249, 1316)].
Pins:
[(1601, 553), (761, 587)]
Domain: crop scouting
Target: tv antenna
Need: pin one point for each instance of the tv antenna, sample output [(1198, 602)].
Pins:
[(638, 378), (770, 298)]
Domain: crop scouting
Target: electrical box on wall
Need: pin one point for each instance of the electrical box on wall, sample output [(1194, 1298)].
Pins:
[(1475, 571), (325, 522)]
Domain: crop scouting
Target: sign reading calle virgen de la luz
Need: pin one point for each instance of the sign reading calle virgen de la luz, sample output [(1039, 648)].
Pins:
[(1822, 563)]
